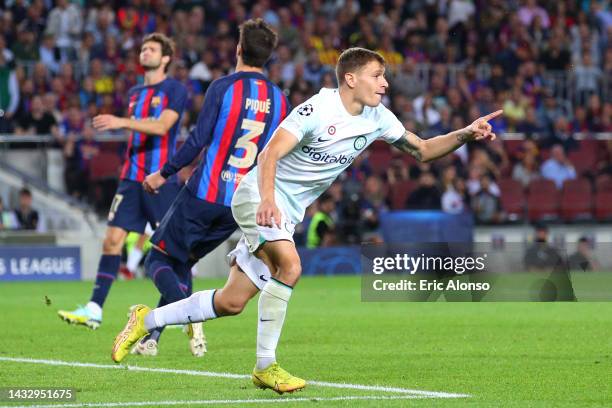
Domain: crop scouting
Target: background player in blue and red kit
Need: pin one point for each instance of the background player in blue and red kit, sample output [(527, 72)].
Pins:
[(240, 113), (154, 115)]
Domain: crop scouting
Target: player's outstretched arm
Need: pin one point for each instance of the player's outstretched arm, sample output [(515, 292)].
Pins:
[(281, 143), (154, 127), (431, 149)]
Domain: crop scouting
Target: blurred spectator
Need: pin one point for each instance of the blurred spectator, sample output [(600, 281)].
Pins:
[(558, 167), (583, 259), (321, 231), (8, 220), (397, 171), (562, 135), (27, 217), (540, 255), (526, 170), (515, 108), (556, 57), (38, 121), (424, 112), (9, 95), (529, 11), (373, 202), (313, 69), (78, 153), (426, 196), (49, 55), (65, 23), (530, 125), (26, 47), (485, 205), (587, 78), (455, 199), (201, 70), (103, 83)]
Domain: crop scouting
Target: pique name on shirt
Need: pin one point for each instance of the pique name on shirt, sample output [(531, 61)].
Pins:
[(257, 106)]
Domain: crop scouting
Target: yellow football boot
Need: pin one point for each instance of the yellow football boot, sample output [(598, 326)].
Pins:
[(277, 379), (133, 331)]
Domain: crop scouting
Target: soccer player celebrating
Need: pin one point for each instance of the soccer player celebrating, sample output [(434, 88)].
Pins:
[(154, 113), (239, 115), (311, 147)]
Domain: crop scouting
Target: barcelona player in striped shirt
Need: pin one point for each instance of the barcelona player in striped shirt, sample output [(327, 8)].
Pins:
[(239, 115), (154, 115)]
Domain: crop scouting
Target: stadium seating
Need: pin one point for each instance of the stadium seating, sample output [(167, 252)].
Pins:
[(603, 183), (379, 161), (542, 201), (513, 148), (399, 193), (512, 199), (583, 161), (603, 206), (577, 200)]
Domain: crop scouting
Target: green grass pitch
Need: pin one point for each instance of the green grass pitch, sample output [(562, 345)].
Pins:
[(500, 354)]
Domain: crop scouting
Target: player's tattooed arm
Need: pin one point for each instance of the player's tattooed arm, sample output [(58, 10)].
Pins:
[(436, 147), (411, 144)]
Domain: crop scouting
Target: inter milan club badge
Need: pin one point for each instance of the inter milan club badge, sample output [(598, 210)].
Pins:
[(331, 130), (360, 143)]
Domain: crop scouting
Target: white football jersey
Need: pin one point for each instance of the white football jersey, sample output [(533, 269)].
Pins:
[(329, 141)]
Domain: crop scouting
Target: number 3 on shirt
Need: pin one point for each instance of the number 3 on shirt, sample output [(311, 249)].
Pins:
[(255, 128)]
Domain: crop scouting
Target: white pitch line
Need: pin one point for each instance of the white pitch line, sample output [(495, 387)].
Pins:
[(279, 400), (430, 394)]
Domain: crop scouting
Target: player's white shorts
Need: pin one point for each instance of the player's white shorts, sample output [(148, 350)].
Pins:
[(244, 210)]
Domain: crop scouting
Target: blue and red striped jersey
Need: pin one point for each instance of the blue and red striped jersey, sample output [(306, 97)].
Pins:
[(240, 113), (148, 153)]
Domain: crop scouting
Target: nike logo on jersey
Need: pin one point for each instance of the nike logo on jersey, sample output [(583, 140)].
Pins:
[(189, 318), (321, 140), (266, 320), (263, 278)]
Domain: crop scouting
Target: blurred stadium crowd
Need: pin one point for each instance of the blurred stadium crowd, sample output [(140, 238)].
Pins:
[(547, 63)]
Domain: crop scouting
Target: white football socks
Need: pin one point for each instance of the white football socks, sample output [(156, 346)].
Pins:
[(272, 308), (94, 308), (133, 259), (196, 308)]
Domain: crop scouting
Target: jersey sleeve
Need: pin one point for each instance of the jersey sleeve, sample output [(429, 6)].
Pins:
[(391, 128), (177, 97), (201, 135), (302, 120)]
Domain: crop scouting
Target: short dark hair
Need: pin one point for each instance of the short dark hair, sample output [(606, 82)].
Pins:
[(257, 40), (325, 197), (167, 45), (353, 59), (25, 192)]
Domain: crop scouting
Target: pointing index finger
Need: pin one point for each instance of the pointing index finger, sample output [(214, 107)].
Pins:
[(493, 115)]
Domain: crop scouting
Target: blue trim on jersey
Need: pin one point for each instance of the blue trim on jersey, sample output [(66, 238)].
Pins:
[(136, 135), (277, 103), (213, 149), (156, 153), (230, 185)]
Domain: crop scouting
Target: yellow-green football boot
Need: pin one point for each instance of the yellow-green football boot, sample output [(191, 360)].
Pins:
[(277, 379), (133, 331)]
